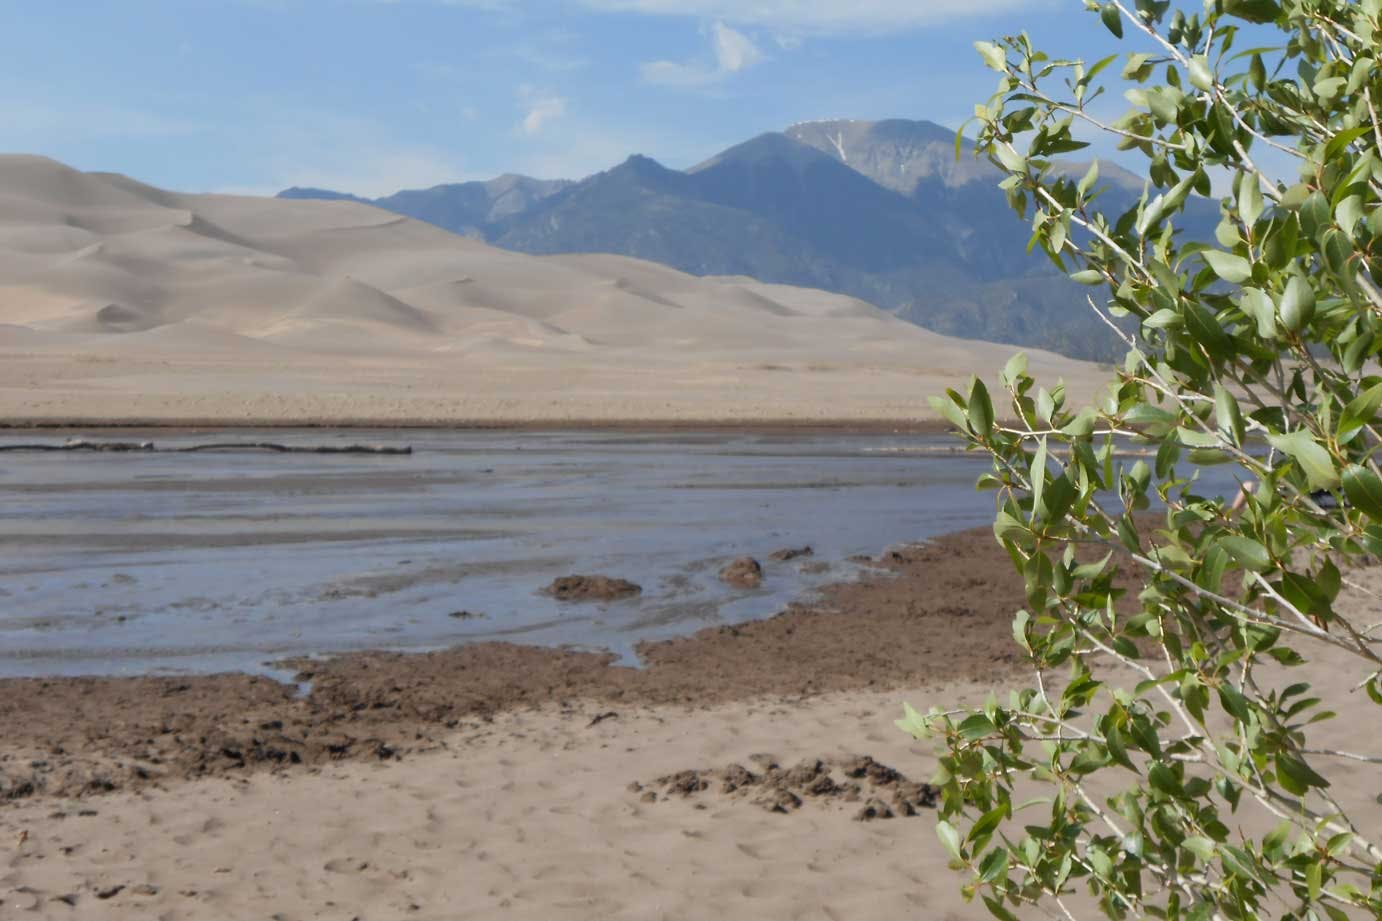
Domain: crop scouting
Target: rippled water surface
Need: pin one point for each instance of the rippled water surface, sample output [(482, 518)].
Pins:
[(130, 563)]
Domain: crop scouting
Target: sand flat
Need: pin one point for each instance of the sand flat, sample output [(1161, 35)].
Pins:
[(530, 816), (124, 303), (523, 807), (527, 817)]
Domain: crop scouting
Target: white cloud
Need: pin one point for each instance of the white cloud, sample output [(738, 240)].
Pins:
[(541, 108), (817, 16), (734, 52)]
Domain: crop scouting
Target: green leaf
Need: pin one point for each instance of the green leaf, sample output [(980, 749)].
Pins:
[(1250, 203), (1164, 319), (1247, 553), (1201, 77), (976, 726), (1088, 277), (1015, 368), (1364, 490), (1113, 20), (1090, 177), (1228, 416), (950, 838), (1360, 412), (1257, 304), (987, 823), (995, 58), (1202, 848), (996, 909), (980, 408), (1295, 776), (1012, 161), (1297, 304), (1020, 622), (1232, 269), (993, 866), (1038, 477), (1314, 460)]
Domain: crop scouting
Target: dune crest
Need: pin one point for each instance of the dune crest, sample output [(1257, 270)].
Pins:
[(123, 302)]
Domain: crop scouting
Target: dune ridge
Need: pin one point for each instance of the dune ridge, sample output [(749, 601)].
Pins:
[(120, 302)]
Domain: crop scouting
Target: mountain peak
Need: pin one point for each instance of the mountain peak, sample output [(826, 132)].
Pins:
[(314, 194), (897, 153), (773, 146)]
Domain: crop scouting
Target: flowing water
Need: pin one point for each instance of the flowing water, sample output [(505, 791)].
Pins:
[(137, 563)]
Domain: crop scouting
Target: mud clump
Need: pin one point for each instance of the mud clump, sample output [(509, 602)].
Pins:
[(736, 776), (885, 792), (874, 809), (865, 767), (683, 783), (745, 572), (592, 588), (792, 553)]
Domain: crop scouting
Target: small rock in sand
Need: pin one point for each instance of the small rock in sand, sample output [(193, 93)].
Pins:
[(745, 572), (591, 588), (792, 553)]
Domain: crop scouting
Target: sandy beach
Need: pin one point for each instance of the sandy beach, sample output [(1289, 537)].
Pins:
[(507, 781)]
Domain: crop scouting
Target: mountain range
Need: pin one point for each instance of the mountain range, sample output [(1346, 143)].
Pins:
[(882, 211)]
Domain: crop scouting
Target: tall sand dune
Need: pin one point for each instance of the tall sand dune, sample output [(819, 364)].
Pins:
[(121, 302)]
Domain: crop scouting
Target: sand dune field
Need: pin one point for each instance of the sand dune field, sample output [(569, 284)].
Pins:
[(120, 302)]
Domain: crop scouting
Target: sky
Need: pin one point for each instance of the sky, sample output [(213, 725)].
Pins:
[(371, 96)]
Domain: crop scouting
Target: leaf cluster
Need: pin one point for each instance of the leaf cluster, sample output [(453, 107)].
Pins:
[(1260, 351)]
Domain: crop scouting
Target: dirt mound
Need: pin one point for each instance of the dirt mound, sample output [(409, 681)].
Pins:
[(745, 572), (884, 792), (592, 588)]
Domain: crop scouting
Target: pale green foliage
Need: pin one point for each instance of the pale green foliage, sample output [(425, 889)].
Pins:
[(1258, 349)]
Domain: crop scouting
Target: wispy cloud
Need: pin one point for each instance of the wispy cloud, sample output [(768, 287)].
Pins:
[(733, 52), (817, 16), (540, 108)]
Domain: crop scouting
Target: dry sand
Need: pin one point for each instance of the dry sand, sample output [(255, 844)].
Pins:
[(124, 303), (529, 817), (542, 811)]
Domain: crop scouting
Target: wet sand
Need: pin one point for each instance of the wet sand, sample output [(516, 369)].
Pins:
[(163, 563), (930, 614)]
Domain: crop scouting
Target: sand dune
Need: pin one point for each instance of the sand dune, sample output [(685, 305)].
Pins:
[(123, 302)]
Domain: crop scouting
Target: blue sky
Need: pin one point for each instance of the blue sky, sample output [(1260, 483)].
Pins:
[(370, 96)]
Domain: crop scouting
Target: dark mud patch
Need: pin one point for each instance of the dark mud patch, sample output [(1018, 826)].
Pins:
[(745, 572), (870, 789), (592, 588)]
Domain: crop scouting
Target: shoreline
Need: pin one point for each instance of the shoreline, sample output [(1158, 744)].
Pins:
[(710, 426), (932, 613)]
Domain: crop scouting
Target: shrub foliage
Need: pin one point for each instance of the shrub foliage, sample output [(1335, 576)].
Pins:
[(1167, 736)]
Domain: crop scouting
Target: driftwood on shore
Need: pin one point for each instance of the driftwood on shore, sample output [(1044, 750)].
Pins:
[(81, 444)]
